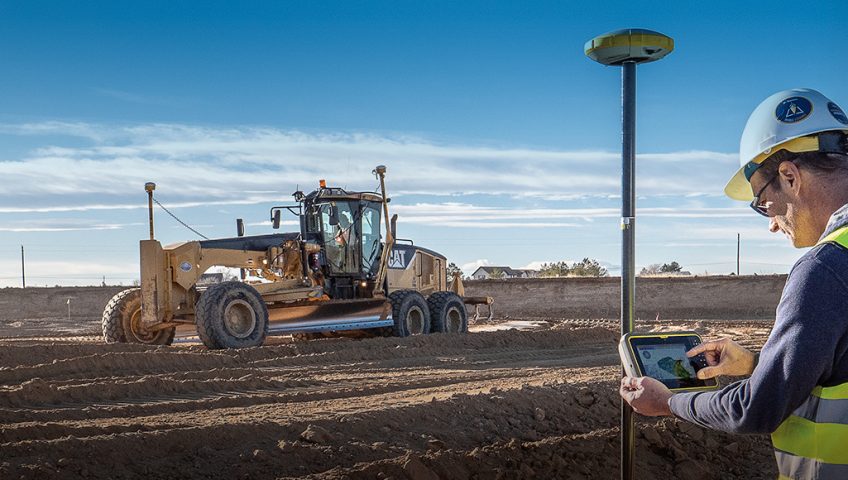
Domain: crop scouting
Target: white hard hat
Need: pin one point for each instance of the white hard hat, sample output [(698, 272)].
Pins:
[(788, 120)]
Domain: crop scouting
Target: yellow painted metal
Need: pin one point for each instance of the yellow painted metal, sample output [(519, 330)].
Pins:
[(155, 282), (633, 40), (629, 45), (390, 240)]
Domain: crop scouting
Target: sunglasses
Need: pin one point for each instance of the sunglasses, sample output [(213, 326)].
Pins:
[(762, 208)]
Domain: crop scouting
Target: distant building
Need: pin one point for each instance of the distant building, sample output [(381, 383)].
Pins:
[(527, 273), (491, 271), (210, 278)]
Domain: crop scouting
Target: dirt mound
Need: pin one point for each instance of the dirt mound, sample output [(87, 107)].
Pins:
[(501, 404)]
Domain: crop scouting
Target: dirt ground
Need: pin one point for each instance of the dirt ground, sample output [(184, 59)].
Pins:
[(498, 403)]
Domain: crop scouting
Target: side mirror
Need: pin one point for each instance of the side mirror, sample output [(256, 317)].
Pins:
[(275, 220), (334, 214)]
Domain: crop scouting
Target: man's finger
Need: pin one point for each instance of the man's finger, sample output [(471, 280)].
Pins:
[(628, 395), (709, 372), (629, 382), (704, 347)]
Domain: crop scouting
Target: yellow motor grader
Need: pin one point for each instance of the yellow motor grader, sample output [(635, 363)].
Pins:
[(338, 274)]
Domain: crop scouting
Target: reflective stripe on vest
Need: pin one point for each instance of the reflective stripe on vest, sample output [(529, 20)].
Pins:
[(812, 442)]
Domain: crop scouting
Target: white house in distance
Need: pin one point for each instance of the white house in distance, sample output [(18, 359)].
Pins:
[(483, 273)]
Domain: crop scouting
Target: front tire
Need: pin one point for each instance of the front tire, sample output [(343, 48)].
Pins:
[(410, 313), (121, 322), (232, 315), (447, 313)]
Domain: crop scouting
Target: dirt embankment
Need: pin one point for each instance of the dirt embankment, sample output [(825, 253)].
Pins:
[(720, 298), (52, 302), (28, 311)]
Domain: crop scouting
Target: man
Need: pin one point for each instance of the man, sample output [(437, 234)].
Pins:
[(795, 172)]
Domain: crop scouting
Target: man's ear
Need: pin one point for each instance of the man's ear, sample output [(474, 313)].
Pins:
[(790, 174)]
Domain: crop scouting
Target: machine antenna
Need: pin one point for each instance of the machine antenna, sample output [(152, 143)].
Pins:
[(181, 222)]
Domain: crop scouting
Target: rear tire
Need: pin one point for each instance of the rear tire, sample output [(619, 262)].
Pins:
[(447, 313), (122, 322), (232, 315), (410, 313)]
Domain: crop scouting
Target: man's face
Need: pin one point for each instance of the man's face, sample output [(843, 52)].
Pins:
[(785, 208)]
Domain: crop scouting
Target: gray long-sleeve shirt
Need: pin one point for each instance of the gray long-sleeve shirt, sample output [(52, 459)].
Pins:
[(808, 346)]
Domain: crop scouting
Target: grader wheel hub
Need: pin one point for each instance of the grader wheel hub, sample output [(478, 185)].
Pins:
[(453, 321), (138, 330), (239, 319), (415, 320)]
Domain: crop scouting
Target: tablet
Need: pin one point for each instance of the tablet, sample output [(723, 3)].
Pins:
[(663, 356)]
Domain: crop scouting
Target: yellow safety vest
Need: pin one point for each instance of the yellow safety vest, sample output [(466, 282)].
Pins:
[(812, 443)]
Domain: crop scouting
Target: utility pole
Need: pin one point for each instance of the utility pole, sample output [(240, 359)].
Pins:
[(627, 48), (23, 269), (738, 244)]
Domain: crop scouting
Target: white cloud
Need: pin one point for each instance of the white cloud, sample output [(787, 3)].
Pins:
[(64, 272), (66, 225), (267, 223), (137, 98), (191, 163), (470, 267), (61, 229), (461, 214), (537, 264)]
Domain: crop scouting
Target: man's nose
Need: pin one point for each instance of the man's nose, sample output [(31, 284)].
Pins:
[(773, 226)]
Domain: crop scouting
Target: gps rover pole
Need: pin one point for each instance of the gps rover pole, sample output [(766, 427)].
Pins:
[(626, 48)]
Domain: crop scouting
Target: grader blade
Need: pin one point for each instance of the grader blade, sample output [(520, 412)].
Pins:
[(322, 316)]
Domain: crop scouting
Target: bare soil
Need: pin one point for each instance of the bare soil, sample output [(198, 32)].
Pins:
[(536, 402)]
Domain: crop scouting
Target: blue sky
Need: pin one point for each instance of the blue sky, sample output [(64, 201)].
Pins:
[(501, 139)]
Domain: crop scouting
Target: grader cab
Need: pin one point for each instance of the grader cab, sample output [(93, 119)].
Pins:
[(343, 271)]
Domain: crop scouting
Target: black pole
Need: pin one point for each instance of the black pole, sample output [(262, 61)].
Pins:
[(738, 245), (240, 233), (628, 243), (23, 269)]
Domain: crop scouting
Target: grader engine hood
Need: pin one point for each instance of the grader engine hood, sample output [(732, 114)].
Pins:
[(417, 268), (257, 243)]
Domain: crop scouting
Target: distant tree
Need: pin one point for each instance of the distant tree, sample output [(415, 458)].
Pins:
[(497, 274), (555, 269), (588, 267), (453, 269), (672, 267), (651, 269)]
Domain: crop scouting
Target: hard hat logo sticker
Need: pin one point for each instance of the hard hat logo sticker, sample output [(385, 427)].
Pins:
[(837, 113), (793, 109)]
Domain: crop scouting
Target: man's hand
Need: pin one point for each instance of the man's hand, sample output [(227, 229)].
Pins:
[(724, 357), (647, 396)]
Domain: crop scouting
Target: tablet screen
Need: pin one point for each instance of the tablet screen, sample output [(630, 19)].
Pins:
[(665, 360)]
